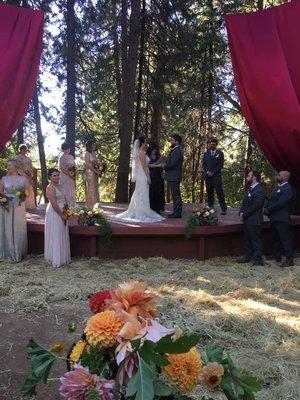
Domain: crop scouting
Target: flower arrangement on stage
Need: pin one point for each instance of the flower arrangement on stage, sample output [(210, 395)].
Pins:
[(21, 195), (96, 217), (125, 353), (99, 166), (4, 201), (203, 217), (72, 170)]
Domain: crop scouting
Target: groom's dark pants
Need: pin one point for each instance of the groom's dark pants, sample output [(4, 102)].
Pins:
[(176, 197)]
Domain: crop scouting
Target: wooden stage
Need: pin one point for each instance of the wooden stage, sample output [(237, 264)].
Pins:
[(165, 239)]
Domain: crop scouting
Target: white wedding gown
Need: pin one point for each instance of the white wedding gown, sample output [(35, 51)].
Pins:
[(139, 207)]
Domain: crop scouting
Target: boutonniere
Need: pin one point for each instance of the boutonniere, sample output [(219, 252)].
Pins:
[(278, 191), (249, 194), (217, 155)]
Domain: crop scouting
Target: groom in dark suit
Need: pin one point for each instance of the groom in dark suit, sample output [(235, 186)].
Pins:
[(173, 174)]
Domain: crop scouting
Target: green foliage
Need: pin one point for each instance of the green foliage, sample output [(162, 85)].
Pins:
[(141, 385), (95, 360), (41, 364), (181, 345), (72, 327), (93, 394), (235, 384), (203, 217)]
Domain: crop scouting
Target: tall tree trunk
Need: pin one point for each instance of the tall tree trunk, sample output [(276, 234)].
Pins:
[(40, 141), (128, 95), (21, 133), (116, 56), (141, 70), (71, 75)]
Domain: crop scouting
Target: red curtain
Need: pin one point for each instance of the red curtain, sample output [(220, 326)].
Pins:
[(21, 32), (265, 52)]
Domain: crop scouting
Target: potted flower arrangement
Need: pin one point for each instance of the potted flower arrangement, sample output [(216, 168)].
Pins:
[(203, 217), (126, 353)]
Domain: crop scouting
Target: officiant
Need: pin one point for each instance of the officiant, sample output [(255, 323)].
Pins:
[(157, 187)]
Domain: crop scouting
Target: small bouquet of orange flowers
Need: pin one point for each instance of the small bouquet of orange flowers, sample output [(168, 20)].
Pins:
[(4, 201), (72, 170), (125, 352), (21, 195), (68, 211), (99, 166)]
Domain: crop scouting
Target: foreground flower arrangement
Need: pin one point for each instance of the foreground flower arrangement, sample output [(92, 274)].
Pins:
[(203, 217), (126, 353)]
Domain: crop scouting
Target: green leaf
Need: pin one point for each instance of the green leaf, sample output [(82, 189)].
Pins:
[(141, 385), (29, 387), (72, 327), (181, 345), (93, 394), (237, 385), (149, 354), (161, 389), (214, 354)]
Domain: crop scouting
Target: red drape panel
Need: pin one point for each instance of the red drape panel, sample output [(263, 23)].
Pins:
[(265, 52), (21, 32)]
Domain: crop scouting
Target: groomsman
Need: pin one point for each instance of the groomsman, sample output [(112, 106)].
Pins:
[(213, 162), (173, 174), (251, 213), (278, 210)]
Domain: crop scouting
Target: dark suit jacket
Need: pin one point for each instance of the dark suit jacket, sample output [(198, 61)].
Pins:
[(253, 204), (213, 163), (173, 167), (279, 205)]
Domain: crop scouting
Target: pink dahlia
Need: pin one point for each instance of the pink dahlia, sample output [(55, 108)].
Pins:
[(76, 384)]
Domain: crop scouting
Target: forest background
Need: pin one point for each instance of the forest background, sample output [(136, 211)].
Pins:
[(115, 69)]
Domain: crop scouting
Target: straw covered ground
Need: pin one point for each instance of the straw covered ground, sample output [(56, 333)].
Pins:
[(252, 312)]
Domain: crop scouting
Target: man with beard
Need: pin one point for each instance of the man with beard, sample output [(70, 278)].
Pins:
[(173, 174), (251, 213), (213, 162), (278, 210)]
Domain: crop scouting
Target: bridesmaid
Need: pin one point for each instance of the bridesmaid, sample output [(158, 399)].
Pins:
[(157, 187), (57, 241), (91, 174), (67, 181), (27, 171), (13, 228)]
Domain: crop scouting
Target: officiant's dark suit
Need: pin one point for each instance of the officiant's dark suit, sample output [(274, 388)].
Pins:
[(278, 209), (251, 212), (213, 162), (173, 174)]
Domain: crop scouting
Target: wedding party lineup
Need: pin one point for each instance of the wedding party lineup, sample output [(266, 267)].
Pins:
[(149, 199)]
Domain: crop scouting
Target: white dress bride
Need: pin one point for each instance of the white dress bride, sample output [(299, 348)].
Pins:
[(139, 207)]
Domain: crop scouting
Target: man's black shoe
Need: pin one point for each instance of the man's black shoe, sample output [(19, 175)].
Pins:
[(174, 216), (258, 264), (287, 263), (272, 258), (224, 212), (243, 260)]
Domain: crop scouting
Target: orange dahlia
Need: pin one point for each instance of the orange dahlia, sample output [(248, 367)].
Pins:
[(184, 369), (134, 298), (211, 375), (103, 328), (77, 351)]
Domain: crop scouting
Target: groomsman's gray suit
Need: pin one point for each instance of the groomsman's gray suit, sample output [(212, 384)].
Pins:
[(173, 175)]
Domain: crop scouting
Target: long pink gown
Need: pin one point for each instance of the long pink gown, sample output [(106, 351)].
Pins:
[(27, 170), (57, 241), (92, 185), (68, 184)]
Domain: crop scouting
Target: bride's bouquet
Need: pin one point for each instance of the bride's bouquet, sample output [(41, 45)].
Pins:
[(21, 195), (125, 353)]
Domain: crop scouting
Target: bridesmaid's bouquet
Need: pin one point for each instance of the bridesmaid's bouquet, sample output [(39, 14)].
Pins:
[(99, 166), (21, 195), (4, 201), (68, 212), (126, 353), (72, 170)]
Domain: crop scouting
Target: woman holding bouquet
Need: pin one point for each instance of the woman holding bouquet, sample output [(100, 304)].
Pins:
[(92, 173), (67, 177), (27, 171), (57, 241), (13, 228)]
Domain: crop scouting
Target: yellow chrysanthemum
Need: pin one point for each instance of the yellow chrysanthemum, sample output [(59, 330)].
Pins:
[(77, 351), (103, 328), (184, 369), (57, 347), (211, 375)]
